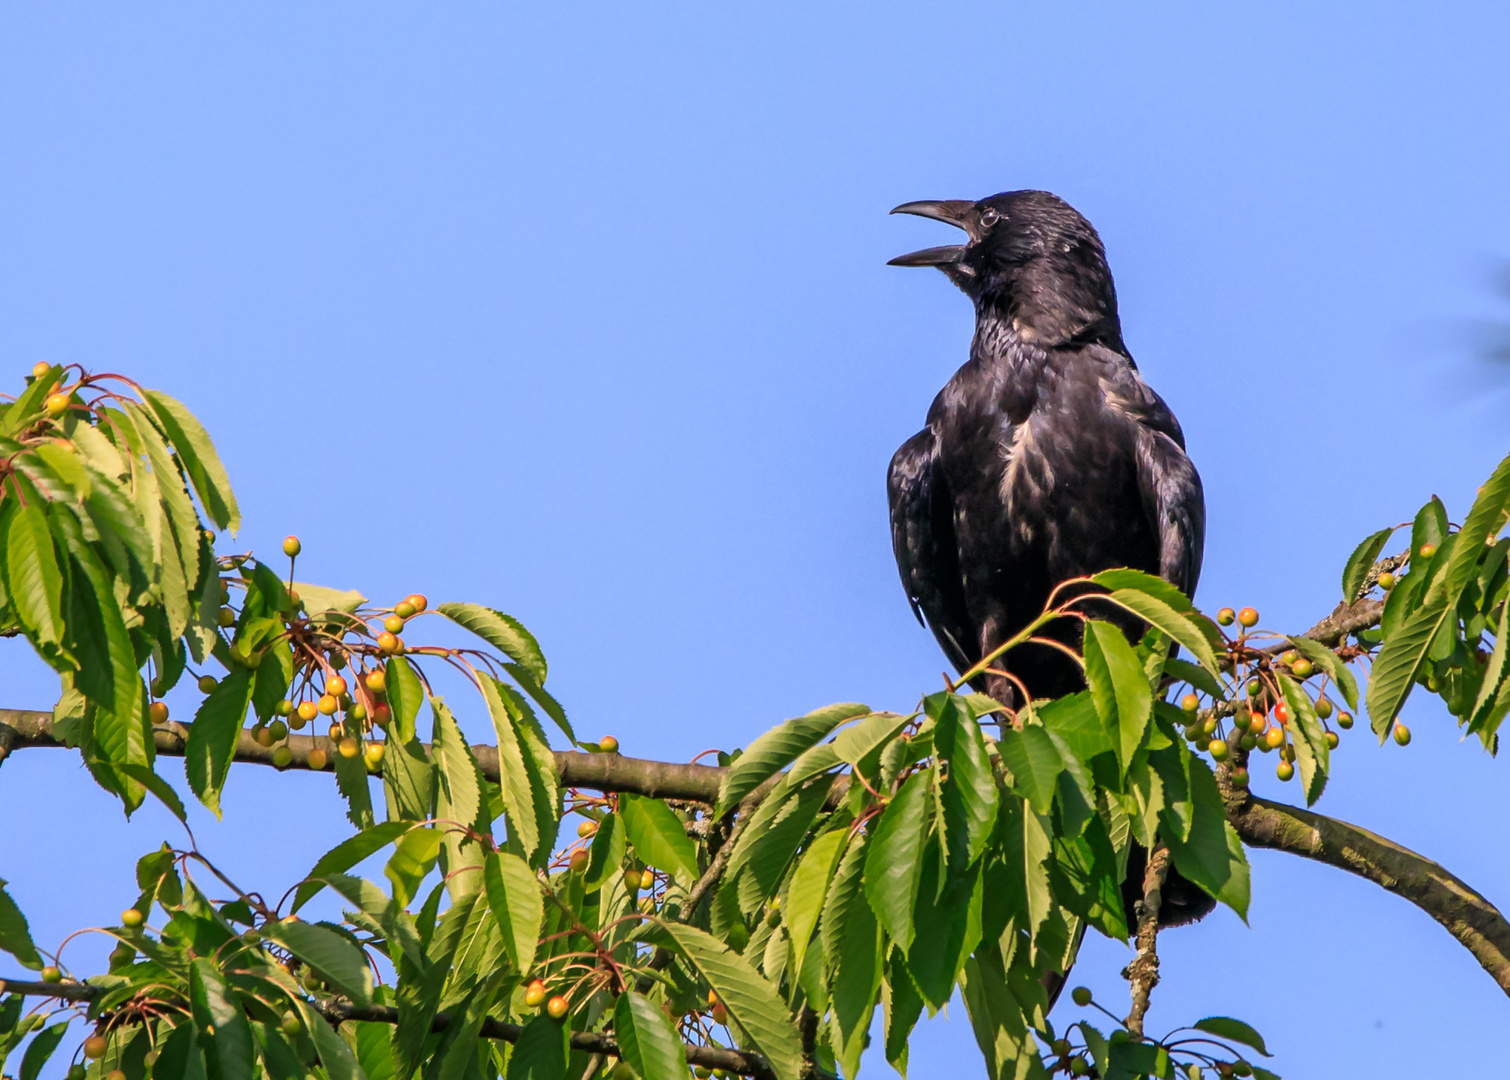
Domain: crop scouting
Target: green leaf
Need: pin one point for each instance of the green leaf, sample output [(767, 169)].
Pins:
[(647, 1040), (408, 780), (968, 786), (1333, 665), (503, 632), (15, 935), (541, 1052), (339, 1062), (551, 706), (212, 737), (513, 773), (752, 1002), (159, 787), (41, 1048), (997, 1020), (948, 926), (1399, 663), (352, 781), (460, 795), (1360, 562), (1482, 525), (1149, 584), (515, 901), (1157, 613), (852, 942), (778, 748), (1233, 1030), (1195, 675), (855, 743), (334, 957), (659, 837), (1034, 762), (1494, 675), (1312, 755), (347, 854), (216, 1008), (768, 842), (197, 453), (606, 857), (903, 1006), (806, 894), (1213, 856), (319, 599), (404, 692), (895, 859), (1117, 685), (413, 857), (459, 1047), (34, 582)]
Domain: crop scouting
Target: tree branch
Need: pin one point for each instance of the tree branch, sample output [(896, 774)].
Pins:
[(1473, 920), (711, 1057), (1143, 972)]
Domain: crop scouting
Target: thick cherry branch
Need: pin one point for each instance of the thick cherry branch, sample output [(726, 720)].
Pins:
[(1473, 920), (711, 1057)]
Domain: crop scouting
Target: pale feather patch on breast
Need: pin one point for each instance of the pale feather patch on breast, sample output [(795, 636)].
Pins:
[(1026, 465), (1119, 402)]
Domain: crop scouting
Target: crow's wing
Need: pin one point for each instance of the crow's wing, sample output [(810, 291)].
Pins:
[(923, 539), (1171, 488)]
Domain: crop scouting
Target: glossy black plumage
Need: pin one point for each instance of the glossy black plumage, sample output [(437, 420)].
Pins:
[(1045, 457)]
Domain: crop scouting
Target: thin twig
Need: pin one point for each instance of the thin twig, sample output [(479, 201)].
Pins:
[(1143, 972)]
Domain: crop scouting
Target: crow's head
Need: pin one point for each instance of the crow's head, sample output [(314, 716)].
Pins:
[(1031, 258)]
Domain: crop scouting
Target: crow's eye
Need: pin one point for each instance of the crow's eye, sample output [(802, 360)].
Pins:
[(988, 217)]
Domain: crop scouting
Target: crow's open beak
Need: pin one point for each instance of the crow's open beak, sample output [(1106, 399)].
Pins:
[(954, 212)]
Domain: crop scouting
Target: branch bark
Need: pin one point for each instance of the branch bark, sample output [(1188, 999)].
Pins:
[(1467, 915), (1143, 972), (1474, 921), (712, 1057)]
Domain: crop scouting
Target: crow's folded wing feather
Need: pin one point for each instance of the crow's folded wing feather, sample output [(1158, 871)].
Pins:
[(923, 539), (1171, 488)]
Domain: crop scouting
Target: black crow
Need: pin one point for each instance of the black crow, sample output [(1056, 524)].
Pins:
[(1046, 457)]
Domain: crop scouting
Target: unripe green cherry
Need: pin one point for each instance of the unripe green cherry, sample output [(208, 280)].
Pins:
[(1190, 703), (393, 624), (1081, 996), (227, 616), (1284, 770), (207, 683), (1218, 749), (1428, 550), (282, 757), (1332, 740), (278, 730), (1386, 581), (1344, 720), (284, 707), (51, 974), (1238, 777), (291, 1024), (1254, 686), (291, 546), (403, 609), (1402, 734), (1226, 617), (1302, 668), (131, 918), (1061, 1047), (1323, 707), (1248, 741)]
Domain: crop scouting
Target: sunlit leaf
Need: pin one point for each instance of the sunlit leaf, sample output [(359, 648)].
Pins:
[(647, 1040), (778, 748)]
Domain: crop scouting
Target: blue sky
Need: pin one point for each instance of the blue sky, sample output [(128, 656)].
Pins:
[(582, 312)]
